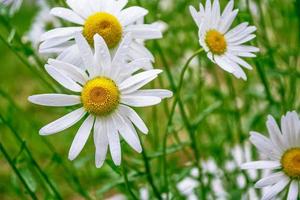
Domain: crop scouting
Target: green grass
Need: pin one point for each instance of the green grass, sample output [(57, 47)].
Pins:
[(220, 110)]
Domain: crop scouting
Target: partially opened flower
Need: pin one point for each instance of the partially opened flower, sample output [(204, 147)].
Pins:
[(224, 47), (109, 19), (103, 91), (282, 152)]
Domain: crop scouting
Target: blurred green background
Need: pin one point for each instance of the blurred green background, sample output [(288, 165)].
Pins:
[(223, 108)]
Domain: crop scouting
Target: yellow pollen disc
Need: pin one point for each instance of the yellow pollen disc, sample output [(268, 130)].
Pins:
[(216, 42), (106, 25), (290, 162), (100, 96)]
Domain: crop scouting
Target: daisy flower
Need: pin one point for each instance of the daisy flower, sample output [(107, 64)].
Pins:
[(104, 92), (109, 19), (282, 152), (224, 47)]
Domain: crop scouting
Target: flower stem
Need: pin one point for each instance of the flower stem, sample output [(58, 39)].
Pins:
[(170, 121), (19, 175), (127, 183), (149, 174)]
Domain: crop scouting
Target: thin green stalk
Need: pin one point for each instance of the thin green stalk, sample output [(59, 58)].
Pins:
[(27, 64), (72, 175), (265, 82), (127, 183), (237, 112), (149, 174), (46, 178), (19, 175), (9, 28), (170, 121)]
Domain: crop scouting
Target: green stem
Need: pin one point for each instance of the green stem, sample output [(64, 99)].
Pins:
[(127, 183), (46, 178), (149, 174), (11, 163), (72, 175), (27, 64), (170, 121)]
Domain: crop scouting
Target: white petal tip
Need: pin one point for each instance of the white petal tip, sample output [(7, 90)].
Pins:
[(71, 157), (31, 99), (43, 132), (99, 165)]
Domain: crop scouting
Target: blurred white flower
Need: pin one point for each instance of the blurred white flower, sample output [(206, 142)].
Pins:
[(109, 19), (223, 46), (43, 22), (186, 187), (104, 90), (283, 156), (144, 194), (13, 5)]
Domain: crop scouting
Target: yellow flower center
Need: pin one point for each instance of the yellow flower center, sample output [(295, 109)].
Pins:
[(106, 25), (216, 42), (100, 96), (290, 162)]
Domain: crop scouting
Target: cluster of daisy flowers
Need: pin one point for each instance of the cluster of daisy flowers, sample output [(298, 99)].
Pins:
[(102, 63), (102, 60)]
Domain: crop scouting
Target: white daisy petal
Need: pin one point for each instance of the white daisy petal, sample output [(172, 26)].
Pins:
[(275, 189), (137, 64), (261, 165), (239, 61), (70, 55), (131, 14), (120, 5), (270, 180), (275, 133), (195, 15), (236, 30), (140, 101), (55, 49), (78, 8), (134, 118), (264, 145), (60, 32), (228, 9), (154, 92), (244, 48), (54, 43), (85, 52), (69, 70), (81, 137), (216, 13), (293, 190), (242, 54), (139, 51), (63, 123), (223, 63), (100, 141), (122, 50), (63, 79), (67, 14), (244, 40), (128, 134), (143, 31), (228, 21), (114, 143), (102, 55), (56, 100), (138, 78)]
